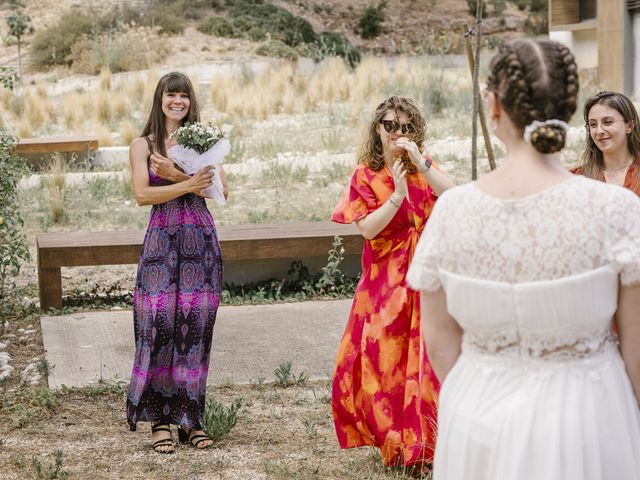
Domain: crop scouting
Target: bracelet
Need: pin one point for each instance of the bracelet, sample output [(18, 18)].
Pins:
[(426, 165), (395, 202)]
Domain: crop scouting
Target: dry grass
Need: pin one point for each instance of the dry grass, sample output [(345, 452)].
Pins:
[(56, 183), (246, 95)]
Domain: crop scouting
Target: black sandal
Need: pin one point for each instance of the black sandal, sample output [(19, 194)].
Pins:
[(164, 442), (194, 441)]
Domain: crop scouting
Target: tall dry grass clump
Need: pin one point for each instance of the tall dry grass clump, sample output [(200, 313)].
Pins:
[(36, 110), (105, 138), (103, 110), (126, 184), (72, 110), (121, 106), (24, 129), (127, 132), (105, 79), (56, 179)]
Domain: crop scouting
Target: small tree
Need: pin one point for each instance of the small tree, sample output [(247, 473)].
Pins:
[(13, 244), (19, 24)]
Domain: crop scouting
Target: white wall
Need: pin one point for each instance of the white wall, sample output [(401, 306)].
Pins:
[(583, 44), (635, 21)]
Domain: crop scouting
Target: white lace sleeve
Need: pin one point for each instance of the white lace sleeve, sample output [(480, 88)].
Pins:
[(624, 235), (423, 271)]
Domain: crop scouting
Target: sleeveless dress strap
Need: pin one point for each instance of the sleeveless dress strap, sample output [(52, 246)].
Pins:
[(149, 144)]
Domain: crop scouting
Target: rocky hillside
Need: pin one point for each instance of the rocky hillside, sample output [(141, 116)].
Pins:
[(407, 26)]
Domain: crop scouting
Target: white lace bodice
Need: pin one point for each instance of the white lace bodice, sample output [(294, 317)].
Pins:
[(535, 277)]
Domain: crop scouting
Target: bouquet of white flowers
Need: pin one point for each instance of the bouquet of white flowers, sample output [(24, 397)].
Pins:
[(199, 146)]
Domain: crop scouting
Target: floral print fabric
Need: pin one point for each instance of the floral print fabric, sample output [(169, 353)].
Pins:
[(384, 390), (174, 309)]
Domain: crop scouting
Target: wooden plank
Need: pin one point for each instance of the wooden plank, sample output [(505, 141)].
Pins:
[(611, 45), (29, 146), (238, 242), (50, 286), (564, 12)]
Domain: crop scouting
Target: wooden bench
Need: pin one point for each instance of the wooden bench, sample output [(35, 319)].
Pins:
[(43, 145), (238, 242)]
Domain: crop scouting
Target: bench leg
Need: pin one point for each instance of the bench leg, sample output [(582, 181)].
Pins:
[(50, 283)]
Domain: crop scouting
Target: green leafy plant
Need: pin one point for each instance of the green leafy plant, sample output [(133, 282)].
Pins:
[(330, 44), (13, 244), (219, 420), (219, 27), (333, 281), (52, 472), (285, 376), (277, 49)]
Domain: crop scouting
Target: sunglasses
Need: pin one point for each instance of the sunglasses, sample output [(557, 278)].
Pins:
[(393, 126)]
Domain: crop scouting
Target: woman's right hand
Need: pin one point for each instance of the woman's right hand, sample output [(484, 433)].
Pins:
[(202, 179), (399, 179)]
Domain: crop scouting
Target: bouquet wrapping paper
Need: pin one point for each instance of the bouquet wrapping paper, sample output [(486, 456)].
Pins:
[(190, 161)]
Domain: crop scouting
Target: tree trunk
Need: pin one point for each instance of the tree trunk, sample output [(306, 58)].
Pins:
[(19, 62), (476, 94), (483, 119)]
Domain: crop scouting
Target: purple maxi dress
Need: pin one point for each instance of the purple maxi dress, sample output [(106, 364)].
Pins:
[(175, 303)]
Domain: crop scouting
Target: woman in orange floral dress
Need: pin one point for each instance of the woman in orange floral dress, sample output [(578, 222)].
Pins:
[(384, 391), (613, 141)]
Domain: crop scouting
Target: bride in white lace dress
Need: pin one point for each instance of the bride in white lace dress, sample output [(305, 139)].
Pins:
[(525, 275)]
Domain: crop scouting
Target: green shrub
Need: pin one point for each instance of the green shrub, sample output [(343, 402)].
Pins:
[(257, 34), (277, 49), (371, 20), (473, 7), (13, 244), (218, 420), (536, 25), (167, 17), (218, 26), (51, 472), (536, 6), (335, 44), (113, 51), (278, 22), (52, 46)]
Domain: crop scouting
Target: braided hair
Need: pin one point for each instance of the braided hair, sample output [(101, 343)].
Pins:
[(536, 80), (372, 153)]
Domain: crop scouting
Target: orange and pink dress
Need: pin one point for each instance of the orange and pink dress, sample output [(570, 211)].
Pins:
[(384, 389)]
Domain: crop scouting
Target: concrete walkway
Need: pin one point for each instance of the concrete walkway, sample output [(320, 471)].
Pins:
[(249, 342)]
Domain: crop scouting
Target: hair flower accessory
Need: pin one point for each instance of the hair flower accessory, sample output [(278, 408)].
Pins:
[(199, 146), (533, 126)]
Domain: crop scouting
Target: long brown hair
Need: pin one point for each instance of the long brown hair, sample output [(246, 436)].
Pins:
[(372, 153), (536, 80), (592, 159), (171, 82)]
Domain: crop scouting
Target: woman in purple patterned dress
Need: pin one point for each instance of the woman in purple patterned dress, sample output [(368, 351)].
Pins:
[(179, 278)]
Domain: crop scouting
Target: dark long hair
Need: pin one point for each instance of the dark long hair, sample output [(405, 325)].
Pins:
[(592, 159), (372, 153), (171, 82)]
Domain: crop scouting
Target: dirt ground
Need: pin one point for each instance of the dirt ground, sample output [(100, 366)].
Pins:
[(281, 433)]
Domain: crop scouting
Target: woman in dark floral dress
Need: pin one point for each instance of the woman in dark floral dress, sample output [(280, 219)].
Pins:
[(179, 278)]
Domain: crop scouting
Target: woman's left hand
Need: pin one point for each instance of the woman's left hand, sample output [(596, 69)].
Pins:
[(164, 167), (415, 155)]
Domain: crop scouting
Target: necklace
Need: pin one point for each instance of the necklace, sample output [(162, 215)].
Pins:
[(623, 167)]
